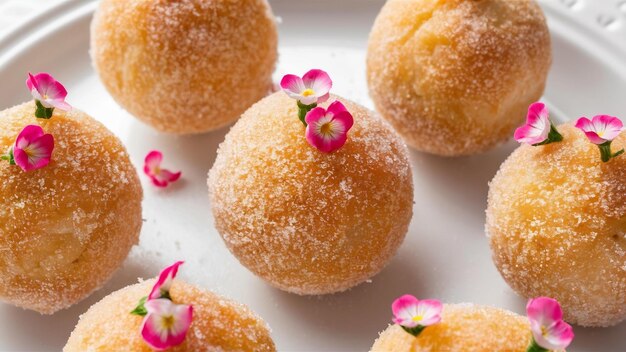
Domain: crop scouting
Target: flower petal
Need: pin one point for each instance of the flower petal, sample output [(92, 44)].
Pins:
[(530, 135), (346, 120), (292, 85), (153, 159), (48, 91), (404, 309), (611, 126), (430, 311), (537, 113), (27, 135), (559, 336), (336, 107), (544, 310), (164, 281), (315, 115), (33, 149), (601, 129), (166, 323), (319, 81)]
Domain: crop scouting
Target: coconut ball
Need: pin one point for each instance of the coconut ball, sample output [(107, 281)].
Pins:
[(556, 222), (463, 327), (65, 228), (187, 66), (218, 324), (456, 77), (306, 221)]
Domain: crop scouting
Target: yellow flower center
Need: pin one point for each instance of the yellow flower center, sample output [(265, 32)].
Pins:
[(417, 318), (544, 331), (168, 322), (326, 129), (29, 151), (308, 92)]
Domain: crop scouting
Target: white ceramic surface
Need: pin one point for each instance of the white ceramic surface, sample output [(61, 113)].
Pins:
[(445, 255)]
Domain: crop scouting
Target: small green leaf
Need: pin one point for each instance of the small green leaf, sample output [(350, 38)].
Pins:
[(414, 331), (303, 110), (9, 157), (140, 309), (534, 347), (43, 112)]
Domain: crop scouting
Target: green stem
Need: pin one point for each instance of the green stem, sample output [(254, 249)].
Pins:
[(43, 112), (9, 157), (414, 331), (303, 110), (553, 136), (534, 347), (605, 151)]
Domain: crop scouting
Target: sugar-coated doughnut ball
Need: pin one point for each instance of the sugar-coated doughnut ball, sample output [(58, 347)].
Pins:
[(186, 66), (306, 221), (463, 327), (557, 226), (456, 77), (65, 228), (218, 323)]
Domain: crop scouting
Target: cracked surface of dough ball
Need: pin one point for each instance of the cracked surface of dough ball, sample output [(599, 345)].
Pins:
[(218, 324), (456, 77), (556, 222), (464, 327), (65, 228), (187, 66), (306, 221)]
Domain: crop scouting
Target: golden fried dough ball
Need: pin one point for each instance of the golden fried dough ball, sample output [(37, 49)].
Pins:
[(306, 221), (464, 327), (218, 324), (65, 228), (187, 66), (456, 77), (557, 225)]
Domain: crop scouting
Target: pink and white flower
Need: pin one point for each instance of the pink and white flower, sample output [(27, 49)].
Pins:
[(601, 128), (164, 282), (327, 130), (538, 128), (48, 91), (166, 323), (33, 148), (410, 312), (152, 168), (312, 88), (547, 325)]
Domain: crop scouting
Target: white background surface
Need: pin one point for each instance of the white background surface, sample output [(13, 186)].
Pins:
[(445, 255)]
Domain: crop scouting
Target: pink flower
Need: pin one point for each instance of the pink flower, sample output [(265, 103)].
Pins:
[(312, 88), (33, 149), (538, 129), (547, 325), (327, 130), (160, 177), (165, 324), (163, 284), (410, 312), (46, 90), (601, 128)]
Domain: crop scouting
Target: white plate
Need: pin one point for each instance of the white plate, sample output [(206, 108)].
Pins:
[(445, 255)]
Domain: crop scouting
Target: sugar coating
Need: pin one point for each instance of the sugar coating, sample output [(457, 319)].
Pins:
[(309, 222), (186, 66), (66, 228), (464, 327), (455, 77), (218, 324), (556, 222)]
